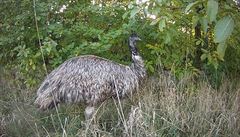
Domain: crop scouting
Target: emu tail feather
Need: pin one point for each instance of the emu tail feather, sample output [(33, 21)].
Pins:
[(45, 96), (44, 102)]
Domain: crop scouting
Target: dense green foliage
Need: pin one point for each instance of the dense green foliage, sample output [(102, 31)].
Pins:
[(181, 36)]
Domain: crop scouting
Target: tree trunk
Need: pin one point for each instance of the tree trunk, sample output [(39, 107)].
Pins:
[(197, 60)]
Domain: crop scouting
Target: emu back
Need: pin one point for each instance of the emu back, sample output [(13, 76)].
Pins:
[(86, 79)]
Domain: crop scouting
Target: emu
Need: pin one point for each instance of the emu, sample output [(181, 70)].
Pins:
[(91, 80)]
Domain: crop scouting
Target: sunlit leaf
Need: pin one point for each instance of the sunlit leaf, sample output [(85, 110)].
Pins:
[(162, 24), (154, 22), (198, 42), (203, 57), (223, 29), (221, 48), (190, 6), (134, 12)]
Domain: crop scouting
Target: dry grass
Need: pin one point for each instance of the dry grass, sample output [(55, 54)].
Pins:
[(163, 108)]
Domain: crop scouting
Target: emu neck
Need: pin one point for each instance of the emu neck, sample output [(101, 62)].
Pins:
[(133, 49), (137, 61)]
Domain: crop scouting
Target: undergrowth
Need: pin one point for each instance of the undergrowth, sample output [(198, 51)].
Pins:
[(162, 108)]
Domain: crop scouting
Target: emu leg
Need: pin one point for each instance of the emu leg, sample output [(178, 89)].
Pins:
[(89, 111)]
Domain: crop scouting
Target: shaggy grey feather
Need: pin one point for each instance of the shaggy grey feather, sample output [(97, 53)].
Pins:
[(91, 80)]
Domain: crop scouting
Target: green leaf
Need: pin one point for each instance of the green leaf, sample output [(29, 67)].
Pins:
[(145, 11), (195, 20), (134, 12), (215, 64), (204, 56), (167, 38), (34, 67), (154, 22), (204, 24), (125, 15), (48, 49), (162, 24), (212, 10), (198, 42), (151, 68), (223, 29), (221, 48), (190, 6)]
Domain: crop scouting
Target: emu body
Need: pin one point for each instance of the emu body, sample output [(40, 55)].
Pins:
[(91, 80)]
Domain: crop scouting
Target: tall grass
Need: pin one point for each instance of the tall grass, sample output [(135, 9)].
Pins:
[(162, 108)]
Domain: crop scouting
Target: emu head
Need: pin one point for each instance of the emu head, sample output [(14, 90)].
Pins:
[(132, 44), (133, 39)]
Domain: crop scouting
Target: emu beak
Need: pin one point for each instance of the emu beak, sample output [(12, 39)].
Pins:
[(139, 39)]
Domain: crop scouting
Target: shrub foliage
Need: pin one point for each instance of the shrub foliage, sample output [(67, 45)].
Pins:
[(181, 36)]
